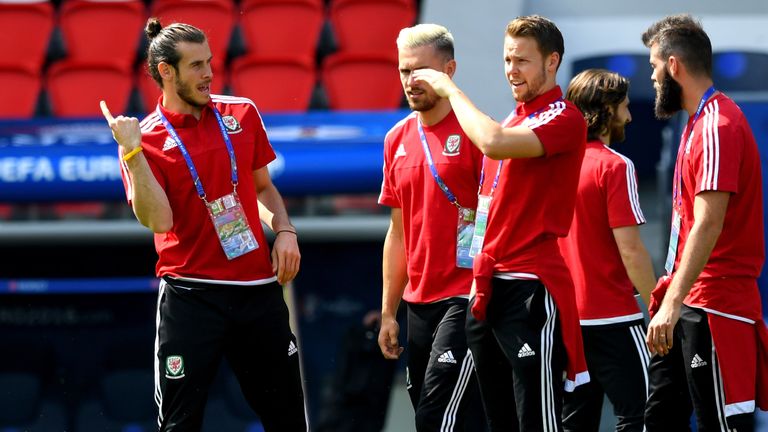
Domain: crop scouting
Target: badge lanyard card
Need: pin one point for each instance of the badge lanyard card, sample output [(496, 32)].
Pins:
[(677, 186), (226, 212), (465, 226)]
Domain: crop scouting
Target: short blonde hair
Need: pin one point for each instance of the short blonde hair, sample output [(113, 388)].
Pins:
[(427, 34)]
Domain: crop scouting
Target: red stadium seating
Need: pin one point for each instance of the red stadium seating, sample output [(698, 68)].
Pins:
[(370, 25), (75, 88), (275, 83), (356, 81), (215, 17), (95, 31), (148, 88), (150, 91), (21, 88), (281, 26), (26, 30)]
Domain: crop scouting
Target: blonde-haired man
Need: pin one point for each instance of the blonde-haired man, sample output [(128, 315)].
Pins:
[(431, 175)]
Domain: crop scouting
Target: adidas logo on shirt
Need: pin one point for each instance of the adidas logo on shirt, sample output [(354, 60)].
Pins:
[(526, 351), (292, 349), (400, 151), (697, 362), (446, 357), (169, 144)]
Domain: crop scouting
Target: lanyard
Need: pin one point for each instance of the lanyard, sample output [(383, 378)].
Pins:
[(428, 154), (677, 184), (501, 162), (192, 170)]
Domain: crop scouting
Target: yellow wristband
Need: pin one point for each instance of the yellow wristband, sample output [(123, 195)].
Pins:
[(132, 153)]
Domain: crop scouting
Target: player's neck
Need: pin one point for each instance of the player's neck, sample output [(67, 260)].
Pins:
[(693, 93), (605, 139), (436, 114), (172, 102)]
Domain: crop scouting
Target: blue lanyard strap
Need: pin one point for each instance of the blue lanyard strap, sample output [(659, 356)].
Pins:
[(428, 154), (188, 159), (677, 184)]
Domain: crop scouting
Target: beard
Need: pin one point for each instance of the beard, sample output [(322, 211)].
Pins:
[(184, 91), (534, 87), (427, 102), (617, 133), (669, 97)]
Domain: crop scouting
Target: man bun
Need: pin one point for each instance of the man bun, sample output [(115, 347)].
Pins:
[(153, 28)]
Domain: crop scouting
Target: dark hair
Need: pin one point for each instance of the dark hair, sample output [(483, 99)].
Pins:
[(163, 41), (541, 29), (684, 37), (597, 93)]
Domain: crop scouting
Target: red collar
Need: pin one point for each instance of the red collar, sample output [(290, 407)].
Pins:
[(539, 102), (179, 120)]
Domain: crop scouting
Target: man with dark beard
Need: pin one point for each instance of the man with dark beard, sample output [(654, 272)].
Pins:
[(706, 330), (431, 174), (607, 258), (195, 174)]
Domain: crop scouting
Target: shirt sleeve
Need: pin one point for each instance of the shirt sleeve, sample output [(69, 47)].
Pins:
[(622, 200), (560, 129), (715, 154), (388, 197), (263, 153)]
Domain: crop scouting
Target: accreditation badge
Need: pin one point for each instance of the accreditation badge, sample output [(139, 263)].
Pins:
[(465, 230), (481, 221), (674, 238), (231, 226)]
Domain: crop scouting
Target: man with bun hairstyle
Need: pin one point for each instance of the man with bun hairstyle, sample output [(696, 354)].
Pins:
[(195, 174), (706, 329), (431, 173), (607, 260), (523, 329)]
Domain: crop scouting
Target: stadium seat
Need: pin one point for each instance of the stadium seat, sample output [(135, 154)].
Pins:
[(281, 26), (23, 407), (75, 88), (124, 403), (370, 25), (214, 17), (97, 30), (632, 66), (740, 71), (362, 81), (30, 399), (150, 91), (26, 31), (21, 90), (274, 83)]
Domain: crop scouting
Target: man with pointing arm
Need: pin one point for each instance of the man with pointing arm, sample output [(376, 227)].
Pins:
[(193, 170)]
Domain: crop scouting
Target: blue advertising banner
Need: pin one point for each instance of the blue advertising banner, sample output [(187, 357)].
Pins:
[(317, 153)]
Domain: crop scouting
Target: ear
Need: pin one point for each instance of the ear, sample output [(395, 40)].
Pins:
[(674, 66), (553, 61), (450, 68), (166, 71)]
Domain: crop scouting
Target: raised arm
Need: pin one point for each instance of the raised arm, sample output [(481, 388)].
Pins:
[(494, 141), (148, 199)]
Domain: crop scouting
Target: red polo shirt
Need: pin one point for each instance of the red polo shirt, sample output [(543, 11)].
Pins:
[(191, 249)]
